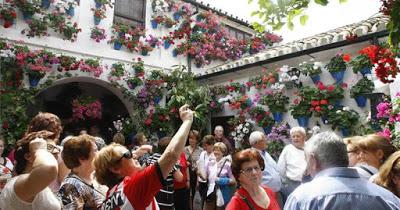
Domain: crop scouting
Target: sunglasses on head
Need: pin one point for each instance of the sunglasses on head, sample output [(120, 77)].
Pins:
[(126, 155)]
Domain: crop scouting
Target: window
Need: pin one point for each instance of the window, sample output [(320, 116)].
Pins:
[(236, 33), (132, 12)]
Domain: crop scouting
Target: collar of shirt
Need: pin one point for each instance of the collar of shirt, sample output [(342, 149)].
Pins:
[(338, 172)]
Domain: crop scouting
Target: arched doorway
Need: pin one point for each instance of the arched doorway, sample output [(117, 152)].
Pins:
[(58, 99)]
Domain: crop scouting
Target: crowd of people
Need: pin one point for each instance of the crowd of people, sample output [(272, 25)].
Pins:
[(322, 171)]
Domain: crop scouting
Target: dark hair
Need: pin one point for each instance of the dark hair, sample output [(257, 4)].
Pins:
[(244, 156), (76, 148), (46, 121), (209, 139), (22, 148), (163, 143), (194, 133)]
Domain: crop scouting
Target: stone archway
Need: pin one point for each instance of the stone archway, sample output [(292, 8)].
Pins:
[(58, 97)]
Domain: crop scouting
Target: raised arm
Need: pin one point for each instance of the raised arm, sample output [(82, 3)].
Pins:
[(44, 171), (177, 144)]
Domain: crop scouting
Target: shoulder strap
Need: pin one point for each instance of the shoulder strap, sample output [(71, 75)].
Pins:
[(251, 207), (221, 168), (366, 170)]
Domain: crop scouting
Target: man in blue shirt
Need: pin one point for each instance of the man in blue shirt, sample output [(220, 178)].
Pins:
[(271, 177), (335, 186)]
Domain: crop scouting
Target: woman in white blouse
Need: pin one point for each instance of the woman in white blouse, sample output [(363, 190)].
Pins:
[(292, 162)]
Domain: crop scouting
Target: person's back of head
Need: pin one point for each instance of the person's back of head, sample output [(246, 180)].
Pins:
[(119, 138), (255, 136), (329, 151), (389, 174), (48, 122), (163, 143)]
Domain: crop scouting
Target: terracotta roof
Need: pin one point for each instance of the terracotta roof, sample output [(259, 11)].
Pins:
[(366, 27)]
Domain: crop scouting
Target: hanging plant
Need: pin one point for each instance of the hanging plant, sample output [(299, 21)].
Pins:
[(37, 27), (98, 34), (8, 15), (86, 108)]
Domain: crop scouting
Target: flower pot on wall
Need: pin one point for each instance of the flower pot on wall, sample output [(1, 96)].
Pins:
[(338, 76), (316, 78), (365, 70), (267, 129), (145, 53), (27, 16), (96, 20), (154, 24), (98, 4), (303, 121), (361, 101), (166, 44), (117, 45), (157, 99), (33, 81), (174, 53), (45, 4), (345, 131), (71, 11), (177, 16), (277, 116)]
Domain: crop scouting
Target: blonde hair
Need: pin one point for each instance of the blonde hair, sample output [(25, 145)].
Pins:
[(298, 130), (352, 142), (105, 159), (119, 138), (375, 142), (387, 171), (221, 147)]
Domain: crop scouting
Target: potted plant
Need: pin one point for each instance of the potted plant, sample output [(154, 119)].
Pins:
[(301, 110), (118, 41), (67, 63), (312, 70), (133, 82), (86, 107), (102, 3), (37, 27), (242, 103), (138, 67), (28, 8), (337, 66), (98, 15), (117, 70), (70, 31), (8, 15), (120, 29), (361, 64), (35, 72), (98, 34), (276, 102), (153, 41), (91, 65), (168, 40), (344, 119), (358, 91), (262, 118), (156, 19), (169, 22), (145, 49), (277, 139)]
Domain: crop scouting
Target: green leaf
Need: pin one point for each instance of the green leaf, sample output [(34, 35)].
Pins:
[(255, 13), (290, 25), (322, 2), (303, 19), (342, 1)]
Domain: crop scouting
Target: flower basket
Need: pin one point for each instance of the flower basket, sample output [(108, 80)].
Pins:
[(98, 34), (362, 87), (70, 11), (276, 102), (117, 45), (262, 118), (277, 138), (134, 82), (338, 76), (8, 15), (343, 118), (154, 24), (277, 116), (96, 20), (176, 16), (316, 78), (33, 81), (312, 70), (167, 44), (86, 108), (361, 64)]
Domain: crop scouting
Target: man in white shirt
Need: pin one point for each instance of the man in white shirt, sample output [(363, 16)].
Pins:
[(271, 177)]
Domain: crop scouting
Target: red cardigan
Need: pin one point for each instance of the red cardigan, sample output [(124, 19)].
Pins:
[(237, 202)]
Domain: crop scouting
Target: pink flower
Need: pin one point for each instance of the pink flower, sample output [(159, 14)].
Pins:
[(385, 133)]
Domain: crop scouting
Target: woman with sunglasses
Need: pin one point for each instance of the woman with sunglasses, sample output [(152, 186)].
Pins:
[(36, 168), (130, 185), (247, 166)]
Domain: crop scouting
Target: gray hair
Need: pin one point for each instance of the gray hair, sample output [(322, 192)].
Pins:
[(329, 149), (255, 136), (298, 130)]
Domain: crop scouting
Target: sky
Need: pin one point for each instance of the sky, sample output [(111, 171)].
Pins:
[(321, 19)]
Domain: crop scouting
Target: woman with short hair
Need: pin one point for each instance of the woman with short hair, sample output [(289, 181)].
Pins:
[(36, 168), (130, 185), (247, 167), (77, 188)]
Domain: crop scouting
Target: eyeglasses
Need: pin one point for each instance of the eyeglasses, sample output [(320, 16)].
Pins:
[(52, 148), (126, 155), (251, 169)]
